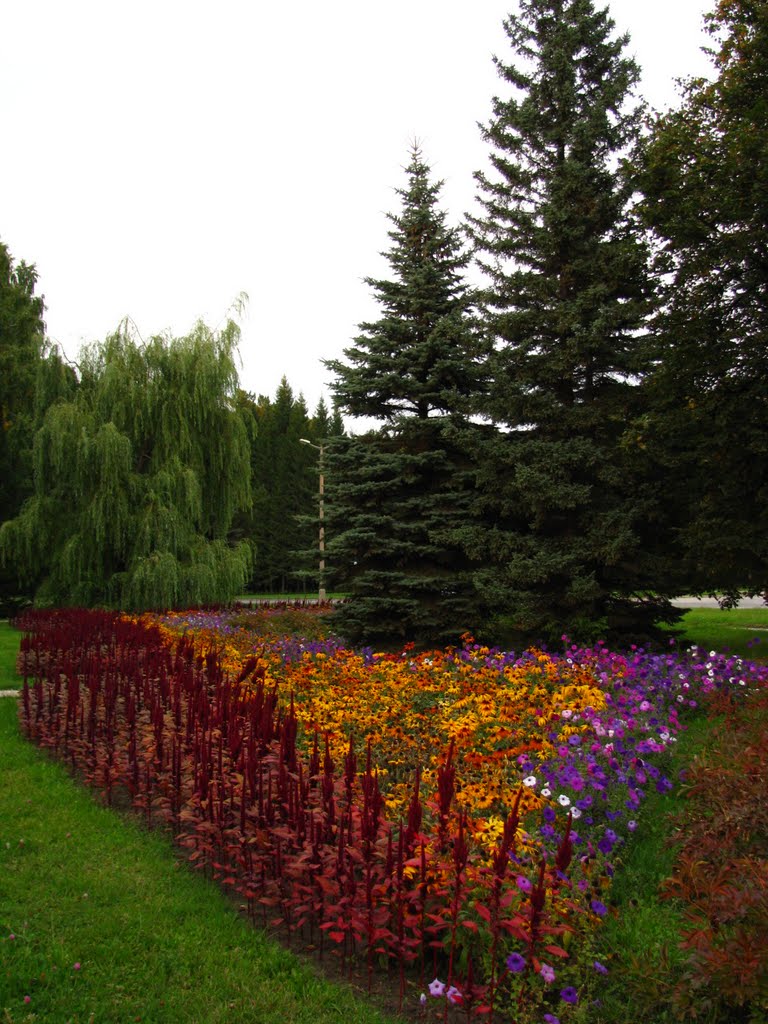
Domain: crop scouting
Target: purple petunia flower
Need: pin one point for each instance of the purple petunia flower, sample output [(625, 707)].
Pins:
[(515, 963), (599, 908), (436, 987), (523, 884), (569, 995), (550, 1018), (600, 968)]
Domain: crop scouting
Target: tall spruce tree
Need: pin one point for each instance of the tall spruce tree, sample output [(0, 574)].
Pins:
[(705, 425), (137, 479), (566, 297), (396, 495)]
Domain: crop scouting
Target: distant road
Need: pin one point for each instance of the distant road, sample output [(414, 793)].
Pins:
[(680, 602), (710, 602)]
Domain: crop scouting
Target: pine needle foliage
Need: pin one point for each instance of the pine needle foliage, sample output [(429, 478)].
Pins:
[(562, 526), (397, 494), (138, 477)]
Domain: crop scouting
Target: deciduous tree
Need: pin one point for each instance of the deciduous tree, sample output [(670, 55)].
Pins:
[(22, 348), (705, 423), (137, 478)]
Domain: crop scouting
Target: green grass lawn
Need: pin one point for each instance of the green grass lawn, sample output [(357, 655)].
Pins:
[(742, 631), (108, 926)]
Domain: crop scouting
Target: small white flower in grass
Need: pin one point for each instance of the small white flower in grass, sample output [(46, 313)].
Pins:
[(575, 813), (566, 713), (563, 800), (546, 791), (529, 780)]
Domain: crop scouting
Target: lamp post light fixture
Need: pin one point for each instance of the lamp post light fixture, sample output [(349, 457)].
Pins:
[(321, 587)]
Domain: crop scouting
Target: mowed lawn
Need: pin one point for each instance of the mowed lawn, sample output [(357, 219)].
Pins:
[(742, 631), (99, 921)]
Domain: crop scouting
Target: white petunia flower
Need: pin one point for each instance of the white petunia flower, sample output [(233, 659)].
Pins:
[(564, 800), (530, 780)]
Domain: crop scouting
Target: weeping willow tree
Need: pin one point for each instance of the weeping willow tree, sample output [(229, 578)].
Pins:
[(138, 478)]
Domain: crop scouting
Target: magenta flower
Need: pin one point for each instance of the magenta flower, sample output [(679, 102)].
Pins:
[(454, 996), (547, 973), (436, 988), (523, 883)]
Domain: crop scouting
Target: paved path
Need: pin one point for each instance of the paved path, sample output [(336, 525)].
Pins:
[(711, 602)]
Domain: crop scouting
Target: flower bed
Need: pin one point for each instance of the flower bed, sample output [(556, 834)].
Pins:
[(452, 816)]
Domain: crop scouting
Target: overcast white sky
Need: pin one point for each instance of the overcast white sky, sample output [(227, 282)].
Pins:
[(161, 156)]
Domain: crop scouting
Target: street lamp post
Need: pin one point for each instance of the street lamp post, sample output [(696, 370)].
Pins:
[(321, 588)]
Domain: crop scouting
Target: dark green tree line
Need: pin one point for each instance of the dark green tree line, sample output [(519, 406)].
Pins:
[(283, 522)]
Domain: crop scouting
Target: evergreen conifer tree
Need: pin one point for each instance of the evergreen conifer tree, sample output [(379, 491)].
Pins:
[(566, 297), (282, 524), (397, 494)]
